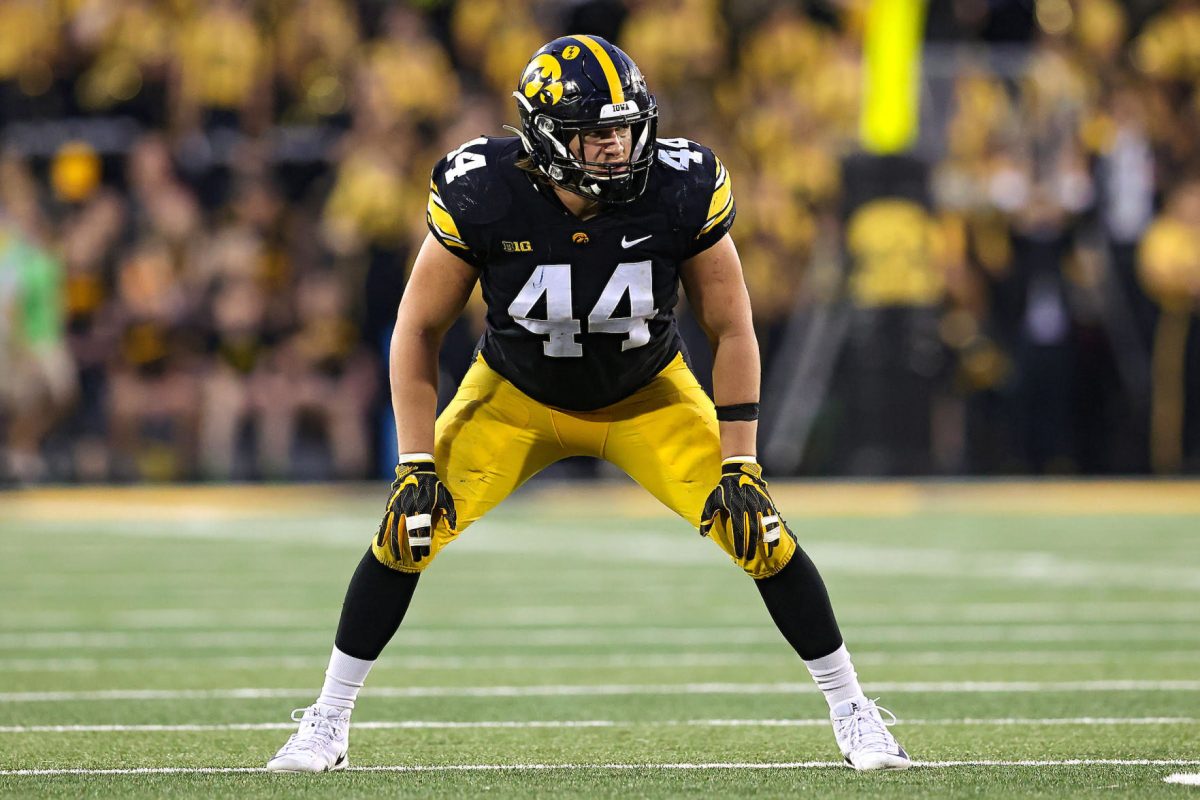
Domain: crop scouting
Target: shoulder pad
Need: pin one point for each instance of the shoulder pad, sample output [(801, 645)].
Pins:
[(468, 192), (697, 185), (470, 182)]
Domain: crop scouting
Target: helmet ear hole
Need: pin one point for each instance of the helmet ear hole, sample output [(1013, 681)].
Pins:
[(545, 124)]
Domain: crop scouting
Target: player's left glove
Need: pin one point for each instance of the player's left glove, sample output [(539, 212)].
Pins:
[(741, 497), (421, 499)]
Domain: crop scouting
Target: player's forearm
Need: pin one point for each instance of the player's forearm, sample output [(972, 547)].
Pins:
[(735, 381), (413, 367)]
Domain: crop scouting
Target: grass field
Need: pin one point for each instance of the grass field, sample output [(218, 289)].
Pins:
[(1034, 640)]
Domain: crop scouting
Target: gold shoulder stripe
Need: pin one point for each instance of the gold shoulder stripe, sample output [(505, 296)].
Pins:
[(444, 225), (606, 64), (722, 199)]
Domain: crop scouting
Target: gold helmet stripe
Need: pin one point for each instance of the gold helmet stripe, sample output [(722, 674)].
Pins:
[(606, 64)]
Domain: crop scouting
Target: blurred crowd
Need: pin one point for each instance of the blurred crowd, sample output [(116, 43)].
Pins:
[(207, 208)]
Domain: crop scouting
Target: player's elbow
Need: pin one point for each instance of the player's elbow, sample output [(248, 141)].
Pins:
[(415, 322), (735, 327), (414, 338)]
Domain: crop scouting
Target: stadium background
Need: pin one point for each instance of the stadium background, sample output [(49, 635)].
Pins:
[(207, 210)]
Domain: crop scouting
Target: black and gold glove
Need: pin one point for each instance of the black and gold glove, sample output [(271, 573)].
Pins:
[(741, 497), (421, 500)]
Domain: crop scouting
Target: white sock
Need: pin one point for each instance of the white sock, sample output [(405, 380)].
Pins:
[(835, 677), (345, 676)]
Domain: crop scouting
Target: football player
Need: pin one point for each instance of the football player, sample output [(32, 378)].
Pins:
[(580, 229)]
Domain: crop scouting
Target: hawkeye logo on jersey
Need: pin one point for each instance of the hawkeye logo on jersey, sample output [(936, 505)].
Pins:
[(580, 238), (517, 247)]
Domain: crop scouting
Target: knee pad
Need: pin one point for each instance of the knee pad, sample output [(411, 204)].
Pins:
[(766, 559), (381, 547)]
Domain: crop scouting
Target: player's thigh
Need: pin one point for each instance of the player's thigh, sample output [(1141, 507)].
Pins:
[(669, 443), (490, 439)]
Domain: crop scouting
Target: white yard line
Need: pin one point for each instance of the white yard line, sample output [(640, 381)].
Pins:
[(821, 722), (585, 690), (610, 659), (640, 543), (358, 726), (1017, 566), (1185, 778), (538, 636), (970, 721), (722, 765), (575, 612)]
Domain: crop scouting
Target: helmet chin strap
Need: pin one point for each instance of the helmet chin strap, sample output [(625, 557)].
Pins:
[(640, 146), (553, 173), (520, 135), (525, 104)]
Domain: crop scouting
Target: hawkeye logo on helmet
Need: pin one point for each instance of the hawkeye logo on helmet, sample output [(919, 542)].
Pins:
[(541, 79), (619, 109)]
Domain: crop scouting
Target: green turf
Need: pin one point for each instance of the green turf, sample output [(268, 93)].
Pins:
[(993, 636)]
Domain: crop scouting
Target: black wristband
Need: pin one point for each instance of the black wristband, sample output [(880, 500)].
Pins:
[(741, 412)]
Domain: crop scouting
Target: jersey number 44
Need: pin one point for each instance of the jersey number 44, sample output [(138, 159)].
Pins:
[(560, 325)]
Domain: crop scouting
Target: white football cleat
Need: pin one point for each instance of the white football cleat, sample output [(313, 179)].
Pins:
[(864, 738), (321, 744)]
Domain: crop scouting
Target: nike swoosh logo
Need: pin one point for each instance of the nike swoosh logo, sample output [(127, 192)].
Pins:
[(627, 244)]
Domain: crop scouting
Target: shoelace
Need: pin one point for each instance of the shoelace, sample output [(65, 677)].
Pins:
[(316, 732), (868, 731)]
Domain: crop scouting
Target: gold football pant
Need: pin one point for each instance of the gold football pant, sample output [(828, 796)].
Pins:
[(493, 437)]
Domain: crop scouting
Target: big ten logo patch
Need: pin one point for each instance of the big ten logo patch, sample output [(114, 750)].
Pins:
[(517, 247)]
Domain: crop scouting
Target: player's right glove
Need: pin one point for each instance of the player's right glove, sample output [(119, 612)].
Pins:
[(741, 497), (420, 499)]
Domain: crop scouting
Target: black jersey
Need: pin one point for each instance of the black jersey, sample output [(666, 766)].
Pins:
[(580, 313)]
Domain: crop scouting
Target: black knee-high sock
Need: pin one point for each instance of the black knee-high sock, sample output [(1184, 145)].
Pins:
[(375, 603), (799, 604)]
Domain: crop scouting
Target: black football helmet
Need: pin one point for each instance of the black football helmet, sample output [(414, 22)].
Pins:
[(576, 84)]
